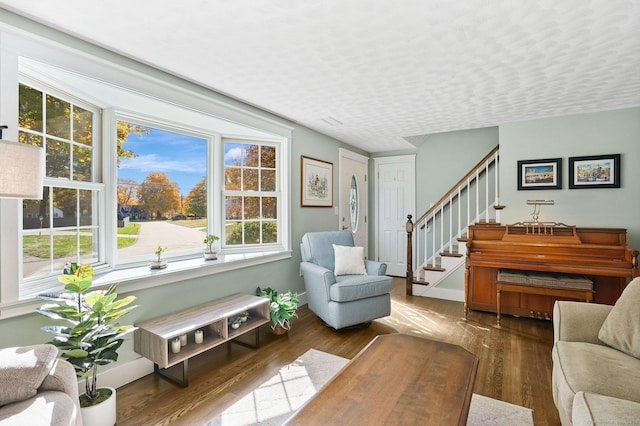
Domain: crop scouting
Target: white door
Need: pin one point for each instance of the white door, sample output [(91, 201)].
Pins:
[(353, 209), (395, 192)]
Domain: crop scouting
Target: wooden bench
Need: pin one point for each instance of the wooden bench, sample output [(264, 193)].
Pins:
[(545, 283), (213, 323)]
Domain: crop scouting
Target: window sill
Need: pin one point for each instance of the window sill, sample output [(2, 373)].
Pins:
[(143, 277)]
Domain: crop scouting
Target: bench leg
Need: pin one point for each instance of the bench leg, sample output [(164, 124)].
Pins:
[(185, 373), (249, 345), (498, 306)]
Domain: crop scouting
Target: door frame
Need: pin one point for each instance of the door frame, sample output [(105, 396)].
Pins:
[(409, 159)]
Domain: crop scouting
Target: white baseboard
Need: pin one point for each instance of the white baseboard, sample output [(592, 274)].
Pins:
[(122, 373), (439, 293)]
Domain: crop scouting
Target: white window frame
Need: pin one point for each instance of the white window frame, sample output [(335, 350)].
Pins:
[(43, 282), (247, 193), (112, 86)]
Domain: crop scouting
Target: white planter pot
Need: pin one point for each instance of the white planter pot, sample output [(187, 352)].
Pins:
[(158, 264), (103, 414), (210, 256)]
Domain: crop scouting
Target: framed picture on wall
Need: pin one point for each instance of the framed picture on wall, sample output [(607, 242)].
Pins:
[(595, 171), (540, 174), (316, 182)]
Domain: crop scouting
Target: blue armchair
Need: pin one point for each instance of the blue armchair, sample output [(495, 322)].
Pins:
[(342, 300)]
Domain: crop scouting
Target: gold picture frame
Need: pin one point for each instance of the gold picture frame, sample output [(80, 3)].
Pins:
[(316, 182)]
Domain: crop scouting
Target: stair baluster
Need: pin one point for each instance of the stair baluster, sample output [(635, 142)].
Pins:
[(436, 242)]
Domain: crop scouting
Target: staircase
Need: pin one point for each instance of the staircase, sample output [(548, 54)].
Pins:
[(437, 240)]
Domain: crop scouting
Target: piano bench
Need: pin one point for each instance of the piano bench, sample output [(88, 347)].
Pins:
[(545, 283)]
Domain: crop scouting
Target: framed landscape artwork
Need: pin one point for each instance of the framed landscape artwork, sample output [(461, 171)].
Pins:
[(595, 171), (316, 182), (540, 174)]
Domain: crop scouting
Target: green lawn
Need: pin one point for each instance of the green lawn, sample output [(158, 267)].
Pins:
[(126, 241), (130, 229), (65, 245)]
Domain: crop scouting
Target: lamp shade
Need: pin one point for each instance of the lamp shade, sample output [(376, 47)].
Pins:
[(21, 170)]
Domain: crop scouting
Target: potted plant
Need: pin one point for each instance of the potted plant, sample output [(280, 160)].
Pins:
[(282, 308), (91, 336), (210, 252), (159, 262)]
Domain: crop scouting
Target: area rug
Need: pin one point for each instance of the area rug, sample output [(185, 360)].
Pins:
[(273, 402)]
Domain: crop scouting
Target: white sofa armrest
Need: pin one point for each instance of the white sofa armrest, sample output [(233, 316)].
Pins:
[(578, 321)]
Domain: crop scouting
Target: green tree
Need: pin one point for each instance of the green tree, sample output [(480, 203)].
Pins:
[(195, 202), (158, 195)]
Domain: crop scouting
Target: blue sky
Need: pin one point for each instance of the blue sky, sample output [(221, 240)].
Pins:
[(182, 158)]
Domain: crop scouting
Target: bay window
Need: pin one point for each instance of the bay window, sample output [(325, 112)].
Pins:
[(126, 148)]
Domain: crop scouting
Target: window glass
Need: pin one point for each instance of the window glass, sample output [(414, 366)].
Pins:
[(63, 226), (58, 117), (251, 193), (30, 108), (354, 204), (162, 192)]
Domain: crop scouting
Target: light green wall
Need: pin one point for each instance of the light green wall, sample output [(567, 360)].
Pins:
[(445, 158), (609, 132)]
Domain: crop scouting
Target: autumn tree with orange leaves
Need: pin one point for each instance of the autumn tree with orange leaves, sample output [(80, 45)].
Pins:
[(157, 195)]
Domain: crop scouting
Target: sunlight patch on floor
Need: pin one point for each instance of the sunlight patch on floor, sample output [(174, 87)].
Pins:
[(282, 394)]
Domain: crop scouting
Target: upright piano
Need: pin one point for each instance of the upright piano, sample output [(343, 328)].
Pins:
[(601, 254)]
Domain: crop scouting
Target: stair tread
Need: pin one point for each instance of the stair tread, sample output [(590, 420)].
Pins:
[(447, 254), (437, 268), (420, 282)]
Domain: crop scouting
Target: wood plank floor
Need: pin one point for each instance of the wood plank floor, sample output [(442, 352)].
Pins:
[(514, 361)]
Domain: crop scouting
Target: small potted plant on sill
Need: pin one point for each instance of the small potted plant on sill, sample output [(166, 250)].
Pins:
[(282, 308), (210, 252), (91, 336), (159, 263)]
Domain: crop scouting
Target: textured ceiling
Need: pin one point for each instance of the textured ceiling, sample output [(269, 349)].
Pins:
[(374, 72)]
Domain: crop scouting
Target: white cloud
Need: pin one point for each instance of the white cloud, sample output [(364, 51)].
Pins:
[(153, 163), (234, 154)]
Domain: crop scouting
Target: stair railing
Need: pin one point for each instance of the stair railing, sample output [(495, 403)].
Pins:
[(473, 198)]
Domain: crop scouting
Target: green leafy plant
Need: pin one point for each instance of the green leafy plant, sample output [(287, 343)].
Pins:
[(159, 251), (92, 334), (209, 240), (282, 308)]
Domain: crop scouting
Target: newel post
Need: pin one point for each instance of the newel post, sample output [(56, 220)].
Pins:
[(409, 283)]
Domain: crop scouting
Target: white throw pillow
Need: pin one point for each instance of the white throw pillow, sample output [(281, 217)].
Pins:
[(349, 260)]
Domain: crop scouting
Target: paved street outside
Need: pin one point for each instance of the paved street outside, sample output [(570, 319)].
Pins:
[(174, 237), (167, 234)]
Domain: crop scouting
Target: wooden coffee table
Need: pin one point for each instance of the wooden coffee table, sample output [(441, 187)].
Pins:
[(397, 379)]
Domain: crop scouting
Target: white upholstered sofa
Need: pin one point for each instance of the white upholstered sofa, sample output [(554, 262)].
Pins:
[(596, 360), (37, 388)]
